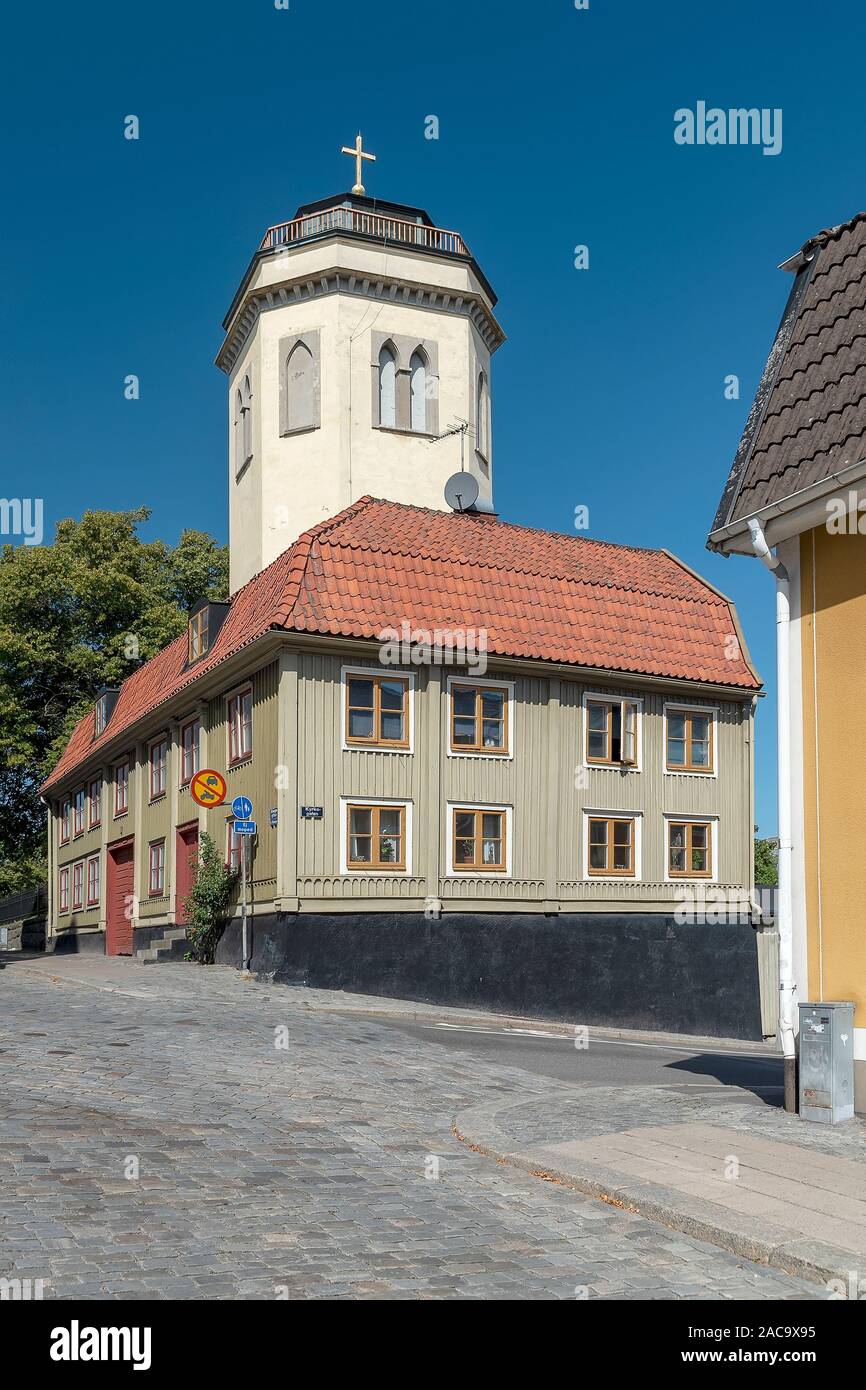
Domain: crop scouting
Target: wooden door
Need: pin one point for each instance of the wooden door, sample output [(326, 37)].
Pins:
[(186, 858), (119, 899)]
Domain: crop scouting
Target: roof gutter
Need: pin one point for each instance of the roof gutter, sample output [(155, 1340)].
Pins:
[(812, 497), (787, 984)]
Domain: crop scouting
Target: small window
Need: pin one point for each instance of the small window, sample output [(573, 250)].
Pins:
[(198, 635), (190, 738), (387, 388), (611, 732), (100, 715), (377, 711), (78, 812), (478, 840), (121, 788), (690, 849), (93, 880), (418, 392), (94, 806), (65, 820), (376, 837), (158, 768), (689, 740), (239, 714), (300, 388), (479, 719), (78, 884), (63, 891), (156, 876), (234, 848), (482, 416), (611, 847)]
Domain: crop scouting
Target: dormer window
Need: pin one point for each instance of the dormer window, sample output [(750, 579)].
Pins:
[(102, 711), (205, 621), (198, 634)]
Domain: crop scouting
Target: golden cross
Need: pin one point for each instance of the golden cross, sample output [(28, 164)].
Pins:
[(359, 153)]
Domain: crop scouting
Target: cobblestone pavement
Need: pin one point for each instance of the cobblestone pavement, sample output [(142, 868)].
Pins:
[(292, 1171)]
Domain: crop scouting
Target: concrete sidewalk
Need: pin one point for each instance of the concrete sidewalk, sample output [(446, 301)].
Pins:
[(751, 1179)]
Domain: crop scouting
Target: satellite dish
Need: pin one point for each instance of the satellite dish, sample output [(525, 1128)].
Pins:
[(461, 491)]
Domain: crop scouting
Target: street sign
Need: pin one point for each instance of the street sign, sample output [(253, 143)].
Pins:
[(272, 817), (242, 808), (312, 812), (245, 827), (208, 788)]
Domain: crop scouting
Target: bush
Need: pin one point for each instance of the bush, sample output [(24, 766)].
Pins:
[(207, 903)]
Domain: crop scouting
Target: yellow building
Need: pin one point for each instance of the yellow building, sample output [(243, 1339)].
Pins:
[(798, 488)]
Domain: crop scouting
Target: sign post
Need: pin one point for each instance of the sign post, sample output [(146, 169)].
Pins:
[(246, 829)]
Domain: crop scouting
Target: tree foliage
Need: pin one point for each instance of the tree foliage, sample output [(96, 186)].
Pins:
[(766, 863), (83, 612), (208, 902)]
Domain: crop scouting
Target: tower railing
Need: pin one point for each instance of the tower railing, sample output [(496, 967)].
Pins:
[(366, 224)]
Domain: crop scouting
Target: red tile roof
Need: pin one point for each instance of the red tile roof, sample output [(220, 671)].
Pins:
[(538, 595)]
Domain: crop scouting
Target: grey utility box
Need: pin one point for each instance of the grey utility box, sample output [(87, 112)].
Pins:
[(827, 1062)]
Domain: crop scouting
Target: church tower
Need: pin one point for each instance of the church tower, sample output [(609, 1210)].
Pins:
[(357, 350)]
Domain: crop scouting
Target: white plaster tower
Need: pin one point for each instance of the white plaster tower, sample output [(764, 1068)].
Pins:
[(360, 334)]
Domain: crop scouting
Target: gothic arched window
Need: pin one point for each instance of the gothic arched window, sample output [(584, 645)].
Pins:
[(300, 388), (482, 416), (387, 387), (240, 458), (418, 392)]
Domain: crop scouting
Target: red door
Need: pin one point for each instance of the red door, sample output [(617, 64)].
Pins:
[(120, 899), (186, 858)]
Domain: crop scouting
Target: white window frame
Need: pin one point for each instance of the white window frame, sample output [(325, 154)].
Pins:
[(354, 870), (695, 818), (606, 697), (123, 810), (508, 686), (678, 706), (386, 673), (93, 902), (91, 823), (236, 694), (194, 719), (65, 821), (611, 813), (64, 873), (467, 804), (79, 905), (79, 823), (158, 844), (154, 743)]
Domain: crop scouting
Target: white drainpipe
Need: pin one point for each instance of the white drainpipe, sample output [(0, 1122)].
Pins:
[(787, 984)]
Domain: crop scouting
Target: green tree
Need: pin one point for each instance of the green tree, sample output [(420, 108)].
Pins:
[(766, 863), (83, 612), (208, 902)]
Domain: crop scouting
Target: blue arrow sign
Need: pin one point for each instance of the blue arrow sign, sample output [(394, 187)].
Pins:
[(245, 827), (242, 808)]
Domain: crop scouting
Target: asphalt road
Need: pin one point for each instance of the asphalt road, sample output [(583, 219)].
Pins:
[(604, 1062)]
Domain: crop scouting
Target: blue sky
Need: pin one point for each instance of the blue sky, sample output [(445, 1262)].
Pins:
[(556, 129)]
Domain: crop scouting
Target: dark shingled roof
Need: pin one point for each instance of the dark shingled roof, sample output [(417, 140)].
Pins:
[(808, 420)]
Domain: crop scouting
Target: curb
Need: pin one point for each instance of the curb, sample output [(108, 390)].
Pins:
[(751, 1239)]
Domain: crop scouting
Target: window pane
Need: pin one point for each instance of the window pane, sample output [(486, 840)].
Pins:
[(392, 693), (493, 704), (464, 700), (622, 856), (678, 836), (700, 753), (464, 852), (699, 861), (361, 693), (699, 836), (362, 820), (360, 723), (492, 733), (491, 851), (597, 716), (678, 861), (597, 745), (389, 821), (676, 726), (598, 832), (392, 727), (389, 849), (676, 752), (464, 731), (464, 824), (491, 824), (622, 832), (360, 849), (598, 856)]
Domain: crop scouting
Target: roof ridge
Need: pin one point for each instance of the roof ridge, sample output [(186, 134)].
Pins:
[(830, 233)]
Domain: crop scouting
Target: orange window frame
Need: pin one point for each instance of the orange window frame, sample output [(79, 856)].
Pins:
[(708, 768), (624, 706), (478, 837), (609, 843), (375, 862), (197, 637), (238, 726), (376, 739), (479, 746), (689, 826)]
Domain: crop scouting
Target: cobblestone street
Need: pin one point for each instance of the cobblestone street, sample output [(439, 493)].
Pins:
[(299, 1170)]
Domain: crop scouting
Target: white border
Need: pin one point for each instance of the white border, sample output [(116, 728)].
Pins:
[(64, 869), (608, 698), (465, 804), (482, 681), (386, 673), (713, 711), (709, 819), (345, 802), (232, 694), (595, 813)]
